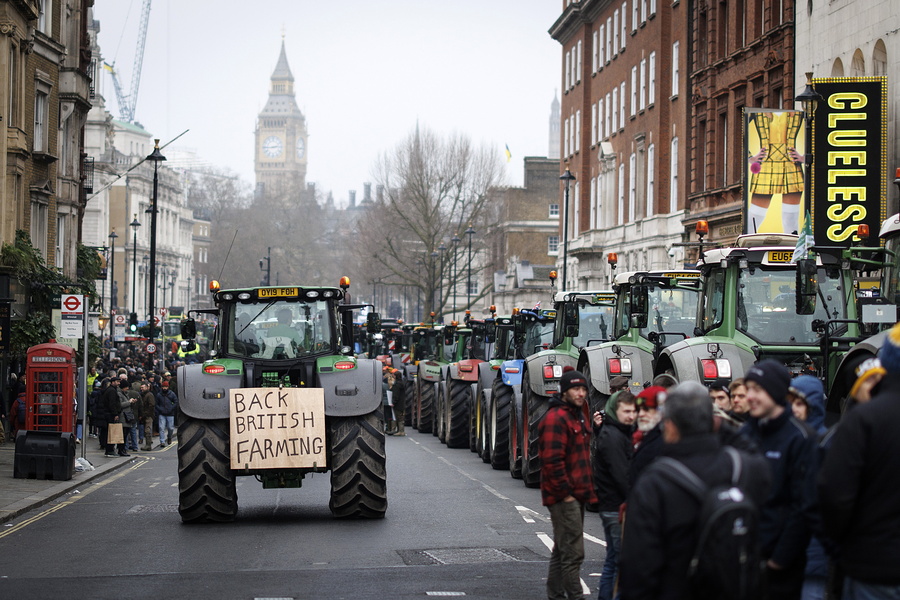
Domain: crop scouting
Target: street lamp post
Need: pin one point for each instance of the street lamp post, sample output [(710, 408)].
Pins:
[(134, 225), (809, 99), (469, 232), (567, 177), (268, 269), (156, 156), (442, 248), (113, 290), (455, 241)]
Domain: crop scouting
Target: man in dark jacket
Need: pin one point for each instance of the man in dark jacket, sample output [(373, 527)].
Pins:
[(858, 491), (111, 408), (661, 526), (788, 514), (166, 403), (612, 458), (565, 451)]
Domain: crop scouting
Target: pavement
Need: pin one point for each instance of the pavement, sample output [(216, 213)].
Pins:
[(18, 496)]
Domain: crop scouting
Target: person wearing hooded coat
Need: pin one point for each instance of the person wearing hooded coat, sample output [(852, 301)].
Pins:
[(808, 391)]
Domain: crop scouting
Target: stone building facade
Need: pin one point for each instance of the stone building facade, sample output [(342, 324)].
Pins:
[(46, 69), (624, 132)]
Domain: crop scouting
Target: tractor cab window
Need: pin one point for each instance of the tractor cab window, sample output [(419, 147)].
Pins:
[(595, 324), (538, 336), (713, 304), (767, 304), (672, 310), (279, 329), (891, 273)]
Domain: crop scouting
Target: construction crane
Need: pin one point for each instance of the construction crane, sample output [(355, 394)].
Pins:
[(128, 102)]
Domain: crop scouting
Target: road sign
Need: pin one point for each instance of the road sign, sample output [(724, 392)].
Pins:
[(155, 321), (162, 311), (71, 316), (120, 320), (151, 348)]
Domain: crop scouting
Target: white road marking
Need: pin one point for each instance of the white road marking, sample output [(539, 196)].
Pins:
[(548, 541)]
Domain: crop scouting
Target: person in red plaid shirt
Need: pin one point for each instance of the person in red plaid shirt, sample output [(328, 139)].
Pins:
[(566, 482)]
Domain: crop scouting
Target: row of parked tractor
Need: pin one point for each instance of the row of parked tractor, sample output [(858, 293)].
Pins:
[(484, 384)]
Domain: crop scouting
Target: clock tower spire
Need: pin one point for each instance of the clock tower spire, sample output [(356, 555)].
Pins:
[(281, 136)]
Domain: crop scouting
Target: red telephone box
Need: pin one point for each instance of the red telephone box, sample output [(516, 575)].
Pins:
[(45, 449)]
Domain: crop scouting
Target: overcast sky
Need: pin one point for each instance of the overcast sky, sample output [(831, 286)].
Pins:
[(364, 72)]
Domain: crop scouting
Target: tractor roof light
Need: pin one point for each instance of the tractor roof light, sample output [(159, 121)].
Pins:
[(552, 275), (214, 286), (862, 231), (345, 282), (612, 259), (702, 228)]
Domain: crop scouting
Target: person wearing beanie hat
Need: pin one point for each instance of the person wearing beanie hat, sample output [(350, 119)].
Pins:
[(869, 373), (790, 448), (564, 441), (166, 403), (889, 355)]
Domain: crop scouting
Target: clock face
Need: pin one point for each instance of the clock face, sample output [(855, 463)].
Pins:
[(272, 146), (301, 148)]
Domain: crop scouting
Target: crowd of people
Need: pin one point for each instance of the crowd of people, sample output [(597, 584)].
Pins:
[(735, 490)]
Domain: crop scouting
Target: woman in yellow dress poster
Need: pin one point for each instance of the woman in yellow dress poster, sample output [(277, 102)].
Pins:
[(775, 169)]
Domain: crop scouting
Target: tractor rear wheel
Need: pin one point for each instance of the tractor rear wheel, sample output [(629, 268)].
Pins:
[(515, 440), (206, 485), (457, 426), (358, 467), (426, 406), (498, 425), (537, 408)]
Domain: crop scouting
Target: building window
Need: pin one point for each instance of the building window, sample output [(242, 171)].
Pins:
[(722, 143), (616, 32), (554, 211), (609, 112), (595, 53), (624, 26), (634, 89), (600, 115), (39, 226), (609, 39), (60, 240), (12, 118), (579, 62), (643, 94), (621, 204), (602, 44), (632, 186), (472, 287), (643, 11), (41, 118), (652, 7), (568, 70), (594, 124), (651, 179), (615, 110), (675, 74), (673, 189), (566, 137), (576, 210), (552, 244), (45, 18), (578, 131), (622, 106), (599, 202), (651, 91), (634, 15)]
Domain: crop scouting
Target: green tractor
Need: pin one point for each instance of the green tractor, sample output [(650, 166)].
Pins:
[(282, 397), (473, 344), (654, 309), (755, 303), (582, 319), (432, 351)]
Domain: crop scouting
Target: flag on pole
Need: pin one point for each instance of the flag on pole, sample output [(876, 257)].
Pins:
[(805, 240), (508, 154)]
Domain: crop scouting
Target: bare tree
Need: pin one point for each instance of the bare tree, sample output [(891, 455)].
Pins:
[(434, 188)]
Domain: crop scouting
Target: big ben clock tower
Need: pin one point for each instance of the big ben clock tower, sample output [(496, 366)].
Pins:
[(281, 137)]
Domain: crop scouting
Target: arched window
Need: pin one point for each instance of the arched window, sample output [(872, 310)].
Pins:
[(879, 59), (858, 64), (837, 69)]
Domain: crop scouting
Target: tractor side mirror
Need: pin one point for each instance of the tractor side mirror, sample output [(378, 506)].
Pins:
[(373, 323), (807, 286), (570, 319), (639, 306), (188, 329)]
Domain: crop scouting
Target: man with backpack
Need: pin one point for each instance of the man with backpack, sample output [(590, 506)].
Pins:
[(690, 526)]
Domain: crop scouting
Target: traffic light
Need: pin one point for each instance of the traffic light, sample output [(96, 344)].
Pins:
[(132, 322)]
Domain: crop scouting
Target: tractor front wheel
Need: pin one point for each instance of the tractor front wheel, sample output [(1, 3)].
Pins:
[(358, 467), (206, 485)]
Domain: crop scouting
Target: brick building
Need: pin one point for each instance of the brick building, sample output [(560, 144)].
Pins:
[(623, 134), (742, 55)]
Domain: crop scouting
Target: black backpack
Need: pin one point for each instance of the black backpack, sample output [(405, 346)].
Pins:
[(726, 562)]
